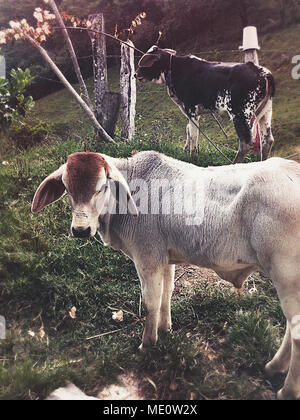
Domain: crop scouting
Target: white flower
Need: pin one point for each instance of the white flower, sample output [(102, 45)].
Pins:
[(48, 15), (46, 28), (38, 16), (14, 25), (2, 38)]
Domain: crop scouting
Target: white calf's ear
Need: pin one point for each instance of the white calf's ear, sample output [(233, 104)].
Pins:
[(50, 190), (121, 191)]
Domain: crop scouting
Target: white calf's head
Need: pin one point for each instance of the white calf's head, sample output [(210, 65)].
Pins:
[(94, 188)]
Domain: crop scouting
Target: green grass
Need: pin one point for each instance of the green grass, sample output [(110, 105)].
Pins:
[(219, 343)]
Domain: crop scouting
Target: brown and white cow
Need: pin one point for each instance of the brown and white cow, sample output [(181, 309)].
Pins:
[(235, 220)]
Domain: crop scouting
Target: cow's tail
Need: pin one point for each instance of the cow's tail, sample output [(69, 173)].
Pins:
[(261, 110)]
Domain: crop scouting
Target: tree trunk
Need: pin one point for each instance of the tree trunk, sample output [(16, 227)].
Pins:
[(110, 111), (128, 91), (243, 13), (282, 13)]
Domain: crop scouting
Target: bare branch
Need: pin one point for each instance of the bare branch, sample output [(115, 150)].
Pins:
[(82, 84)]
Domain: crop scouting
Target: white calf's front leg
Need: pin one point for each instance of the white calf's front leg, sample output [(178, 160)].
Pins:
[(291, 389), (281, 361), (285, 274), (165, 322), (152, 290)]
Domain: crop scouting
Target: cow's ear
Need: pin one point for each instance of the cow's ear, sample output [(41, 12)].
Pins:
[(121, 191), (50, 190), (172, 52), (149, 59)]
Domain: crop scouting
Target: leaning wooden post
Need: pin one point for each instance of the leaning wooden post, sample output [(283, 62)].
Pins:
[(128, 90), (250, 44), (99, 60)]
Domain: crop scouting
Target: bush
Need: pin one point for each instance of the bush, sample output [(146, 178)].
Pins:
[(14, 103), (26, 135)]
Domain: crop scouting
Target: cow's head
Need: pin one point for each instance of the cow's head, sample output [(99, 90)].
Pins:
[(93, 186), (154, 64)]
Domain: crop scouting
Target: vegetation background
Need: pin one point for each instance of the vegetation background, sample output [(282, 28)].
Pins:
[(220, 342)]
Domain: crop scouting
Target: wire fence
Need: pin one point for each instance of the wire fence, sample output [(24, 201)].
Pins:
[(163, 90)]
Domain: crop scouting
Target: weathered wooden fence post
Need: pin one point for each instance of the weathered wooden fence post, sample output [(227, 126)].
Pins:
[(99, 60), (128, 90), (250, 44), (107, 103)]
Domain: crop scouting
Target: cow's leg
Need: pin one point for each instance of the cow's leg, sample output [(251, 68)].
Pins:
[(242, 127), (286, 277), (165, 322), (152, 282), (281, 361), (266, 131), (192, 136)]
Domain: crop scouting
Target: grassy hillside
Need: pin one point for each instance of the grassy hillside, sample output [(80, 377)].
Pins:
[(220, 341)]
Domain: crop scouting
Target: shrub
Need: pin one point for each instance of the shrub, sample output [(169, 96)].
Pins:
[(25, 135), (14, 103)]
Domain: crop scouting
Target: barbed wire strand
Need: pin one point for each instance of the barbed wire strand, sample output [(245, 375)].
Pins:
[(151, 92)]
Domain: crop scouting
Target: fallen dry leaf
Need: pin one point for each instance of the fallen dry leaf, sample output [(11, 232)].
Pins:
[(72, 312), (42, 332), (31, 333), (192, 396), (117, 316)]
